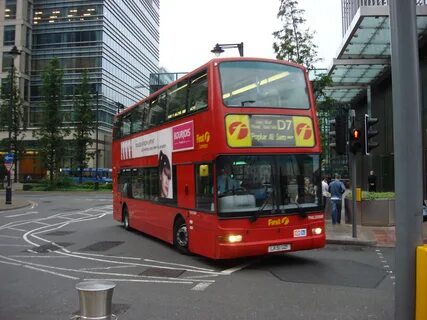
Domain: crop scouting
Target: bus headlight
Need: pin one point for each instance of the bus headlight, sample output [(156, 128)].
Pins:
[(232, 238), (317, 231)]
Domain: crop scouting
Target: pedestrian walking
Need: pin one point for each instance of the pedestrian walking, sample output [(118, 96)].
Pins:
[(325, 192), (336, 189), (372, 182)]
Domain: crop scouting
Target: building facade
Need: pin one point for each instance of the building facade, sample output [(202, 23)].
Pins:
[(117, 42), (362, 80)]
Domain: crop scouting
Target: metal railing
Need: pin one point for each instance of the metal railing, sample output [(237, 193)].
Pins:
[(350, 7)]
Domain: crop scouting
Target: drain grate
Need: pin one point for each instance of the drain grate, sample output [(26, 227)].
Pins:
[(159, 272), (59, 233), (46, 248), (102, 246)]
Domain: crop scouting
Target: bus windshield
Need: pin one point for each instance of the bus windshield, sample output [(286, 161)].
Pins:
[(248, 185), (263, 84)]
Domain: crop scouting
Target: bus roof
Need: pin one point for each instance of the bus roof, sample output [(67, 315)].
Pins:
[(204, 66)]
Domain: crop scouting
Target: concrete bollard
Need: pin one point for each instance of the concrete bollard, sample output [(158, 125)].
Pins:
[(95, 298)]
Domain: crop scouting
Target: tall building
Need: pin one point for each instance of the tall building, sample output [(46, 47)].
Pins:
[(116, 41), (361, 74)]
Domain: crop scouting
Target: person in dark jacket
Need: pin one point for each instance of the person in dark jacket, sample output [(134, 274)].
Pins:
[(336, 189)]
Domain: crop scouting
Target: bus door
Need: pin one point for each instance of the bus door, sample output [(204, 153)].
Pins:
[(185, 185), (123, 190), (203, 217)]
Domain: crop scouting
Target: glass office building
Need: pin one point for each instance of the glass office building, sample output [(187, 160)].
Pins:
[(116, 41)]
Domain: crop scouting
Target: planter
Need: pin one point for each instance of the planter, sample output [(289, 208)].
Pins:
[(378, 212)]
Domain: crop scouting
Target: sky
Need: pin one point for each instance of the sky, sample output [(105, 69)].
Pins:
[(189, 29)]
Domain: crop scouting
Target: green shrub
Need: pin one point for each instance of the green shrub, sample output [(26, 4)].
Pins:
[(374, 195)]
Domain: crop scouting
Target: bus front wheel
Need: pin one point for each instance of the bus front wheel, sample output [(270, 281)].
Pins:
[(180, 236), (125, 218)]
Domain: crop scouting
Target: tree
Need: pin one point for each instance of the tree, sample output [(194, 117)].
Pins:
[(51, 132), (84, 123), (294, 42), (12, 118)]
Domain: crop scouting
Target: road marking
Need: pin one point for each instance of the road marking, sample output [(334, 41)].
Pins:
[(238, 268), (142, 280), (201, 286), (10, 237), (12, 263), (16, 229), (177, 264), (51, 272), (22, 214), (106, 256), (14, 245), (39, 256)]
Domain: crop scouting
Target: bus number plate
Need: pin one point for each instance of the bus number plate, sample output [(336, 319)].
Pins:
[(280, 247)]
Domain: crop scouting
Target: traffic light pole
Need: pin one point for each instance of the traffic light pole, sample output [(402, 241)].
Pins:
[(407, 135), (353, 180)]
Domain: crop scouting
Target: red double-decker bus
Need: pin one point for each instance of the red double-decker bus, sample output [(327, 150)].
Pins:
[(224, 162)]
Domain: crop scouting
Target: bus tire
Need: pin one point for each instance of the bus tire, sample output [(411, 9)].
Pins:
[(125, 218), (180, 235)]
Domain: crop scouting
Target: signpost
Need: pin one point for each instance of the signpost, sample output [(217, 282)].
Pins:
[(8, 163)]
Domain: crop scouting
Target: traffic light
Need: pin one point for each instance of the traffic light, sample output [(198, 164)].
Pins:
[(369, 133), (356, 141), (337, 131)]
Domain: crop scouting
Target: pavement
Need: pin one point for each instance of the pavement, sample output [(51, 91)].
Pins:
[(335, 234)]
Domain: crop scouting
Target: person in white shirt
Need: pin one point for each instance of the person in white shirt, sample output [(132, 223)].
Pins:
[(325, 192)]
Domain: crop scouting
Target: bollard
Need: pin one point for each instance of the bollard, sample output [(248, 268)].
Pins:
[(95, 298)]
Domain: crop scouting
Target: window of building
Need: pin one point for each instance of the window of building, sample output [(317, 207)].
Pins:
[(26, 90), (7, 62), (9, 35), (10, 9)]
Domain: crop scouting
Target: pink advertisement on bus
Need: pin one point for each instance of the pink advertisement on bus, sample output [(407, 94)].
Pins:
[(183, 136)]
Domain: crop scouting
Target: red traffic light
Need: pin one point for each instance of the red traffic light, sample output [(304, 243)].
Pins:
[(355, 134)]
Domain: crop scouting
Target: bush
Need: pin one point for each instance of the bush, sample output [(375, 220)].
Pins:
[(27, 187), (374, 195)]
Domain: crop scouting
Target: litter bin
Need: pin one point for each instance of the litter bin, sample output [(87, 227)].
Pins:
[(95, 298)]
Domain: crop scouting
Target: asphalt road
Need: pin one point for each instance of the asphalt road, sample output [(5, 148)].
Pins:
[(65, 238)]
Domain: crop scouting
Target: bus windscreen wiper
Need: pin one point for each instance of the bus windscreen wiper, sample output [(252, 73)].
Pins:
[(257, 213)]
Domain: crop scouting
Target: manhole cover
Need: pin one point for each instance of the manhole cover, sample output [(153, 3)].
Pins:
[(159, 272), (102, 246), (46, 248)]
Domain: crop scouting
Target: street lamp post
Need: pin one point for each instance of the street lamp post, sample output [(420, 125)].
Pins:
[(13, 52), (219, 48), (96, 143)]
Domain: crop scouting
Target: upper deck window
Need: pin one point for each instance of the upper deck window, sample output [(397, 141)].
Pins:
[(263, 84)]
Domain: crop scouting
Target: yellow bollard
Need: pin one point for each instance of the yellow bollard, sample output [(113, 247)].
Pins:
[(421, 284), (358, 194)]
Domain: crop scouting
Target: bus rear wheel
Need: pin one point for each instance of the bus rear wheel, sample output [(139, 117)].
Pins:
[(180, 236), (125, 218)]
